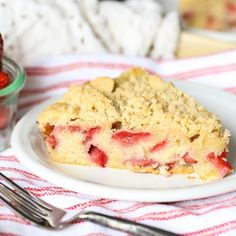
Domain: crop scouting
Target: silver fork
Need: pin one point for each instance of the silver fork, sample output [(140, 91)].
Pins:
[(44, 214)]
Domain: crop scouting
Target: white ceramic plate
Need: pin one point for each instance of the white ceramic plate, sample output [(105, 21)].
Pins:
[(122, 184)]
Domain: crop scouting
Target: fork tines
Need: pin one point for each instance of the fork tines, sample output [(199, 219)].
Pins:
[(23, 202)]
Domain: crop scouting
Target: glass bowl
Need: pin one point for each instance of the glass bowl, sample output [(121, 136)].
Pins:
[(9, 99)]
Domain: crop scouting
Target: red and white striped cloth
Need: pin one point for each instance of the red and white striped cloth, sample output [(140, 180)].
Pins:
[(210, 216)]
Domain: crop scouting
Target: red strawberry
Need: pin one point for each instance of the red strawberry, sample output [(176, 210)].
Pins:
[(74, 128), (170, 165), (159, 146), (91, 132), (230, 7), (220, 163), (4, 117), (223, 154), (97, 156), (52, 141), (127, 139), (4, 80), (141, 162), (188, 159)]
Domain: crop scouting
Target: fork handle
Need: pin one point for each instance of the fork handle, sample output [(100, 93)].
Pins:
[(123, 225)]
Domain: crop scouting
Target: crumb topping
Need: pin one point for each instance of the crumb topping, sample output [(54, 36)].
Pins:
[(137, 101)]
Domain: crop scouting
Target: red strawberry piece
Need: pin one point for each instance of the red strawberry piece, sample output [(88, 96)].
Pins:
[(141, 162), (230, 7), (74, 128), (127, 139), (52, 141), (220, 163), (91, 132), (159, 146), (188, 159), (223, 154), (4, 79), (4, 117), (170, 165), (97, 156)]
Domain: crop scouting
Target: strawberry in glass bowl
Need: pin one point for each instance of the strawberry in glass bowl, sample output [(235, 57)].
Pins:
[(12, 79)]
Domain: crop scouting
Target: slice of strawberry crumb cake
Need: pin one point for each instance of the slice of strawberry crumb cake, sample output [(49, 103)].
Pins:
[(139, 122)]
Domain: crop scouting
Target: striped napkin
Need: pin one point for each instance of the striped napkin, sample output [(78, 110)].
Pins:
[(209, 216)]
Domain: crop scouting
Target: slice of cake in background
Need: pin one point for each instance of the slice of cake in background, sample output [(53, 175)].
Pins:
[(139, 122), (209, 14)]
